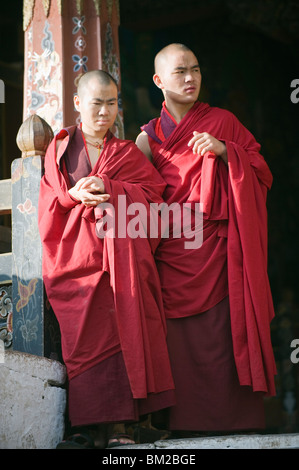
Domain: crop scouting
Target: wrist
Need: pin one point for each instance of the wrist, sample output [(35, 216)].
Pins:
[(72, 192)]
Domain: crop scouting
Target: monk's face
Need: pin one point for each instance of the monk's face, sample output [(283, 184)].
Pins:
[(98, 107), (178, 75)]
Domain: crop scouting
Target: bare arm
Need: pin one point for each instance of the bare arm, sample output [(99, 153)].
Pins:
[(143, 144)]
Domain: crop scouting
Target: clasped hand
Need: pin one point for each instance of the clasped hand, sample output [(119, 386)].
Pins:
[(203, 142), (90, 191)]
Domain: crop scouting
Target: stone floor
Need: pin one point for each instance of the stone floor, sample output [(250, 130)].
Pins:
[(255, 441)]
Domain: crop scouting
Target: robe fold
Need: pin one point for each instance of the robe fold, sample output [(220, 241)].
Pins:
[(233, 257), (105, 292)]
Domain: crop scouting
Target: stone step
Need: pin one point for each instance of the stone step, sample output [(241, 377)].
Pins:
[(252, 441)]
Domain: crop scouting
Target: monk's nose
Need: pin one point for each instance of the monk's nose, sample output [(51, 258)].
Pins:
[(188, 77), (103, 110)]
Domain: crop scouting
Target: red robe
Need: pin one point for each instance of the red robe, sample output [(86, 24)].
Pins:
[(76, 263), (233, 257)]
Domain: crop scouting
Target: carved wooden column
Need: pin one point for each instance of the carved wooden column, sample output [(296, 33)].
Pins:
[(64, 38), (32, 320)]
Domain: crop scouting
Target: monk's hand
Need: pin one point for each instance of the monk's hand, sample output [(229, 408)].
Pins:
[(203, 142), (91, 183), (90, 191)]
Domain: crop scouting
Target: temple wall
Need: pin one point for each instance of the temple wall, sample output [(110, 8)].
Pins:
[(32, 402)]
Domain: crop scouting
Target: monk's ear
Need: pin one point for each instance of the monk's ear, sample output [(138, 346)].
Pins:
[(157, 81), (77, 102)]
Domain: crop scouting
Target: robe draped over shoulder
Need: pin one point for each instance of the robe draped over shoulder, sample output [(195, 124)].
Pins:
[(233, 257), (105, 292)]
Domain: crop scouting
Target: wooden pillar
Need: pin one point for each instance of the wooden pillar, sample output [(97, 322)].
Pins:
[(63, 39), (34, 325)]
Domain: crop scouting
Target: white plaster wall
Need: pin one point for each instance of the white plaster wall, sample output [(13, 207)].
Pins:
[(32, 402)]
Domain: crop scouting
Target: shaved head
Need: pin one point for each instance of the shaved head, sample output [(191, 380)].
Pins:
[(97, 102), (177, 74), (162, 55), (104, 78)]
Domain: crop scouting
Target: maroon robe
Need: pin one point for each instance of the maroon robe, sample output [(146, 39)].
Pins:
[(232, 261), (105, 292)]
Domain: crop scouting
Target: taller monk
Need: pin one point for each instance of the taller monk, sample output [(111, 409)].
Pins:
[(104, 288), (217, 297)]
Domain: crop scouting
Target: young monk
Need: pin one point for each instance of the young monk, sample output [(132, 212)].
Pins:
[(217, 297), (104, 290)]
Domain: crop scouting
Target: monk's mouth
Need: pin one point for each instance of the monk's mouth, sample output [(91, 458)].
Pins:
[(190, 89)]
